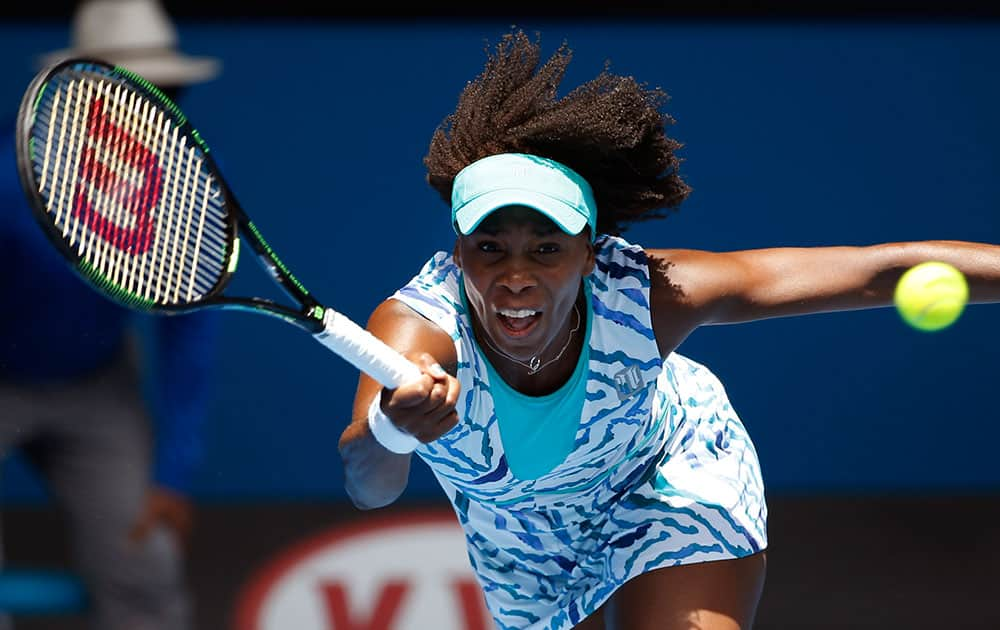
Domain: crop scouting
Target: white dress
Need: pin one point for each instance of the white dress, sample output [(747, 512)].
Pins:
[(661, 472)]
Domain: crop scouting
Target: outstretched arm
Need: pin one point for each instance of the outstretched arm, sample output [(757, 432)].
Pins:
[(691, 288), (374, 475)]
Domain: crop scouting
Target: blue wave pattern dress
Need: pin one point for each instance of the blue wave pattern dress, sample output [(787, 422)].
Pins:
[(662, 471)]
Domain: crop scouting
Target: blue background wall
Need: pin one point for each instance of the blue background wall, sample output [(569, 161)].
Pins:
[(796, 134)]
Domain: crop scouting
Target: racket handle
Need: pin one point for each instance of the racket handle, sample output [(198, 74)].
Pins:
[(365, 351)]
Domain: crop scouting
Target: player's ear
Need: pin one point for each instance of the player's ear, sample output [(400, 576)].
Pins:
[(590, 260), (456, 256)]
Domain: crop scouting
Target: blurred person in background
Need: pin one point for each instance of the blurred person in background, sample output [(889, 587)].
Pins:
[(106, 405)]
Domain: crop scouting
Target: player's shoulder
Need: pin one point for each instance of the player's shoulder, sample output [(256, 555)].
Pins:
[(608, 245), (619, 263), (439, 273), (434, 293), (437, 282)]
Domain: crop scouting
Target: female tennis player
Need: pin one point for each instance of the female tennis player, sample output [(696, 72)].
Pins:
[(602, 479)]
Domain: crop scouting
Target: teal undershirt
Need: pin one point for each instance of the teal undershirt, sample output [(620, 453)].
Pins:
[(538, 432)]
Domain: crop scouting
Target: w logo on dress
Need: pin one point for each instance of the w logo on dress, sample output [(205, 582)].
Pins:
[(628, 381)]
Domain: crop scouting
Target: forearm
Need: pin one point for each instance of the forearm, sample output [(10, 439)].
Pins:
[(979, 262), (373, 475), (791, 281), (422, 410)]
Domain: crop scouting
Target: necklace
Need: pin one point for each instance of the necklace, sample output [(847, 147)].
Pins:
[(535, 364)]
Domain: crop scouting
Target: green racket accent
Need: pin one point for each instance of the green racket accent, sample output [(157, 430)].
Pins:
[(234, 258), (31, 141), (317, 312), (164, 100), (38, 99), (272, 257), (113, 289)]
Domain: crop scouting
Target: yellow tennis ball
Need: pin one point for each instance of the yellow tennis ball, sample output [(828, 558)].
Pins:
[(931, 296)]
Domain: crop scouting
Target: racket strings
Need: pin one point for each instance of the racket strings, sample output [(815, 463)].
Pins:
[(129, 192)]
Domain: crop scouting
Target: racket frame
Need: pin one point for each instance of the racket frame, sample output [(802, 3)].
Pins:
[(309, 315)]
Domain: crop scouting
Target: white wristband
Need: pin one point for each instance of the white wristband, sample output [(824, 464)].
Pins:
[(385, 431)]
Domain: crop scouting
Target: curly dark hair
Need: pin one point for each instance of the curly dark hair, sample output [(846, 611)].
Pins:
[(610, 130)]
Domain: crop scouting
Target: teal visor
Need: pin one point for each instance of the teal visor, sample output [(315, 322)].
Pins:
[(518, 179)]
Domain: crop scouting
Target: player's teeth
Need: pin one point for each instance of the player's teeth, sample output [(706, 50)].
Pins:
[(522, 312)]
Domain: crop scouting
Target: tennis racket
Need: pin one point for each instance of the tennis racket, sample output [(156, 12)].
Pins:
[(127, 190)]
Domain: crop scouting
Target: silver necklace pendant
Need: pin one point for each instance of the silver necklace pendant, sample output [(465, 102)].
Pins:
[(535, 364)]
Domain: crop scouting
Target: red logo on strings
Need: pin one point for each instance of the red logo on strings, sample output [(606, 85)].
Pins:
[(122, 148)]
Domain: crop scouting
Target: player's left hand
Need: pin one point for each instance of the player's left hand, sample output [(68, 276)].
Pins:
[(167, 507)]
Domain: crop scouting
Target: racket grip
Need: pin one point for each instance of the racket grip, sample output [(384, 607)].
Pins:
[(365, 351)]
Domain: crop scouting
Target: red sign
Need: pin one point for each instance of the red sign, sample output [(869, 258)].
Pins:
[(382, 573)]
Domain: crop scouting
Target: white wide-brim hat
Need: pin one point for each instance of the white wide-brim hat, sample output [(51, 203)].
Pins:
[(135, 34)]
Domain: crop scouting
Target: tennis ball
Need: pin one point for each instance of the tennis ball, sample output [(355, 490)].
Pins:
[(931, 296)]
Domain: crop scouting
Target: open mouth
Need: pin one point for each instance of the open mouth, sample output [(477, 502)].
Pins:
[(518, 322)]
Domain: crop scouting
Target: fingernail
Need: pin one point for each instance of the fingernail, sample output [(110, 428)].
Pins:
[(437, 370)]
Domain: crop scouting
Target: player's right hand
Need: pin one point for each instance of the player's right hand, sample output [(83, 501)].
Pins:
[(424, 408)]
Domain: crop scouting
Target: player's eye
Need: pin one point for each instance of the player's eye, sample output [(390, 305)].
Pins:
[(489, 247), (548, 248)]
